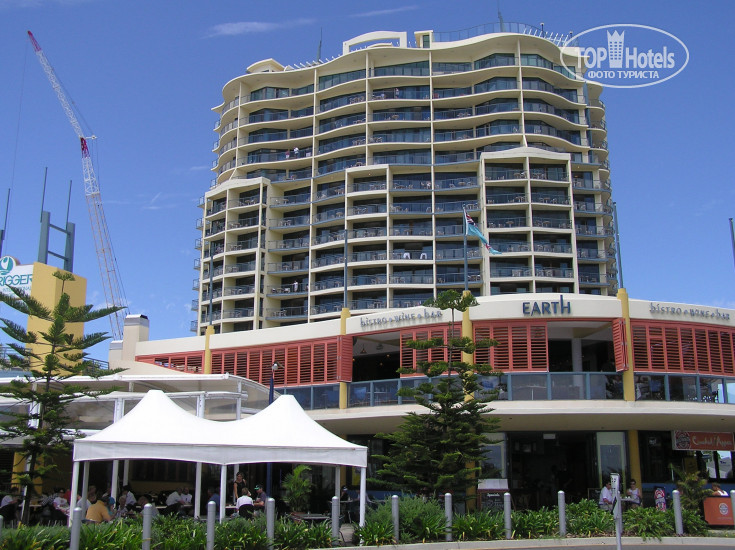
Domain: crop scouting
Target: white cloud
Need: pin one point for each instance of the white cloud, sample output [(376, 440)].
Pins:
[(388, 11), (254, 27)]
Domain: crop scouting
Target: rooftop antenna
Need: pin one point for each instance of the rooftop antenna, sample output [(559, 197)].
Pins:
[(732, 237), (319, 49), (5, 223), (500, 19)]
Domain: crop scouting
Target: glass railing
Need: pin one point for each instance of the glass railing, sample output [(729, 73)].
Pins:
[(580, 183), (301, 265), (549, 199), (516, 246), (449, 230), (591, 254), (410, 185), (294, 288), (286, 312), (558, 272), (495, 174), (592, 208), (409, 208), (367, 303), (341, 144), (540, 129), (448, 158), (593, 231), (290, 222), (409, 158), (410, 255), (557, 248), (455, 183), (458, 254), (237, 313), (341, 102), (326, 284), (452, 113), (333, 307), (243, 245), (369, 256), (571, 116), (367, 209), (454, 135), (327, 167), (240, 267), (455, 278), (553, 175), (398, 93), (401, 115), (238, 290), (553, 223), (506, 198), (408, 279), (681, 387), (410, 136), (366, 280), (593, 278), (324, 238), (367, 232), (367, 186), (328, 193), (510, 272), (291, 199), (332, 259), (507, 222), (441, 93), (415, 230), (329, 215), (456, 206), (341, 122)]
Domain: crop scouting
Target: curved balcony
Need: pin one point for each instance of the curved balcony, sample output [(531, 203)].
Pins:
[(289, 244), (288, 267), (473, 279), (367, 232), (294, 221), (411, 208), (367, 280), (329, 284), (411, 231), (455, 183), (333, 236), (510, 247), (330, 259), (367, 304), (236, 313), (408, 279), (321, 309), (238, 290), (594, 279), (290, 200), (399, 184), (364, 186), (453, 158), (555, 272), (411, 255), (367, 209), (283, 313), (456, 206), (294, 289), (239, 267), (368, 256), (493, 173), (328, 216), (593, 231), (585, 207)]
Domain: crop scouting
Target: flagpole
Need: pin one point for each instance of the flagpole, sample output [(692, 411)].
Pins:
[(466, 278)]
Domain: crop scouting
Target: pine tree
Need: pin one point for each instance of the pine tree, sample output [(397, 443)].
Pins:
[(48, 359), (441, 450)]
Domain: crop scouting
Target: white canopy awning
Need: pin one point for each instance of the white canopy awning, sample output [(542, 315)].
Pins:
[(157, 428)]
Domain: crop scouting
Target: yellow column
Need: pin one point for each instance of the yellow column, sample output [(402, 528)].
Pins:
[(343, 388), (469, 359), (47, 289), (207, 350), (634, 453)]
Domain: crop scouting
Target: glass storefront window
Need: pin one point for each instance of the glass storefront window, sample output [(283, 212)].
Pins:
[(611, 454)]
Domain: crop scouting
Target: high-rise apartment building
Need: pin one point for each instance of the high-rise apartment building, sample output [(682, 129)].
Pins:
[(343, 183)]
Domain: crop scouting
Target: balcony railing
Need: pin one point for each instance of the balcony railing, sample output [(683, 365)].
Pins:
[(410, 255), (237, 313), (293, 221), (304, 198), (329, 215), (510, 272), (408, 208), (556, 272), (367, 209), (592, 208), (367, 232), (551, 223), (591, 254), (326, 284), (517, 246), (324, 261), (330, 237), (456, 206), (401, 115), (368, 304), (287, 244), (593, 278), (285, 312), (411, 231), (366, 280), (454, 278), (580, 183), (294, 288), (508, 223), (368, 186), (238, 290), (324, 194), (334, 307), (557, 248), (457, 254), (410, 185), (278, 267), (455, 183), (506, 198), (368, 256), (495, 174), (584, 230), (408, 279), (549, 199), (342, 122)]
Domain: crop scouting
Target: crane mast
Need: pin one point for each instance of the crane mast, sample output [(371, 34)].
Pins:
[(111, 283)]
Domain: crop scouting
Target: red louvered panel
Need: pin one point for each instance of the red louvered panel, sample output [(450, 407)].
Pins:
[(318, 367), (482, 356), (673, 351), (267, 359), (254, 365), (437, 354), (619, 345), (539, 347), (715, 354), (656, 348), (332, 359), (727, 344), (520, 359), (407, 354), (241, 365), (700, 345), (305, 353), (420, 354), (500, 354), (292, 365), (228, 363), (277, 355), (194, 363), (640, 348), (216, 363), (688, 360), (345, 359)]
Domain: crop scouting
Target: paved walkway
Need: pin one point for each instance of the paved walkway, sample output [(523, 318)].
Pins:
[(580, 543)]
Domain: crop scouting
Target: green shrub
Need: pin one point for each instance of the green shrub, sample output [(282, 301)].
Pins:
[(530, 524), (420, 520), (35, 538), (375, 533), (479, 525), (585, 519), (238, 534), (648, 523), (110, 536), (693, 523)]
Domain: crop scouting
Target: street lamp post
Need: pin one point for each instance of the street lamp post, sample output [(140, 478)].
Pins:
[(269, 466)]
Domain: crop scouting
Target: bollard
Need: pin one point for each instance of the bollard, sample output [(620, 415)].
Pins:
[(394, 515), (679, 524), (732, 505), (506, 514), (448, 515), (76, 528), (561, 501), (1, 525), (270, 521), (335, 519), (147, 523), (211, 514)]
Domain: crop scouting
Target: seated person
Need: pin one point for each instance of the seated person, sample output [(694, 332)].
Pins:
[(606, 497), (185, 497), (718, 491), (212, 496), (173, 502), (147, 499), (9, 505), (261, 498), (98, 512), (244, 504), (634, 493)]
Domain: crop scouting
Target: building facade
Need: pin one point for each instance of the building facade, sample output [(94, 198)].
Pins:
[(586, 385), (343, 183)]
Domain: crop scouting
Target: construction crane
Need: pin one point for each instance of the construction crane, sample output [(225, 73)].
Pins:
[(111, 283)]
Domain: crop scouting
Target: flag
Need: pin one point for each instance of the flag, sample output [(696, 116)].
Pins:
[(471, 229)]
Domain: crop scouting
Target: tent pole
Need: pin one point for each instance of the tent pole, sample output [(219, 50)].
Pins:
[(85, 487), (74, 489), (126, 472), (337, 483), (115, 476), (198, 490), (222, 489), (363, 495)]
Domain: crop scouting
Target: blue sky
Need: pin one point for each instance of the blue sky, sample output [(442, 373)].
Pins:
[(145, 75)]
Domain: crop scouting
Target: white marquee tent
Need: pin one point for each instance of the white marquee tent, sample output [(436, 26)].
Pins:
[(157, 428)]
